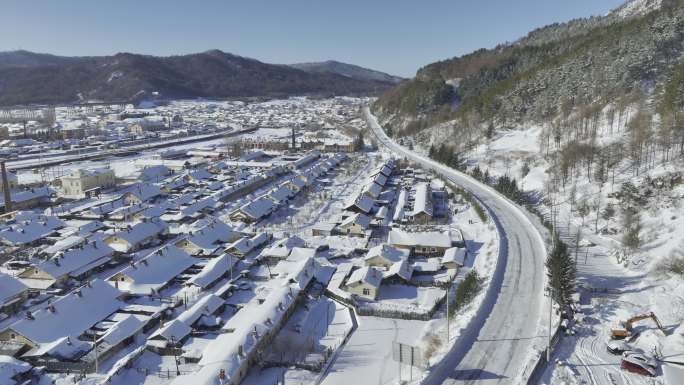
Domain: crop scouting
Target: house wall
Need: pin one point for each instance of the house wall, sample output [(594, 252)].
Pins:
[(76, 186), (188, 247), (114, 240), (26, 204), (353, 229), (16, 305), (130, 199), (35, 273), (11, 335), (240, 216), (378, 261), (429, 250), (358, 290), (422, 217)]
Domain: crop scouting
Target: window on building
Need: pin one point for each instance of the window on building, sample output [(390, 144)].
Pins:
[(366, 291)]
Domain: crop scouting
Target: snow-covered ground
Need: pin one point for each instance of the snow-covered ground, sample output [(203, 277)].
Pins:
[(634, 283)]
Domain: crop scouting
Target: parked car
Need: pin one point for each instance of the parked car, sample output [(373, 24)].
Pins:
[(641, 357), (633, 365), (617, 347)]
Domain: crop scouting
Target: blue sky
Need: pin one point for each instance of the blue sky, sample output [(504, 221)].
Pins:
[(395, 36)]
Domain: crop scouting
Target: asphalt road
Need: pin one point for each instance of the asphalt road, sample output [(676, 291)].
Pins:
[(495, 347)]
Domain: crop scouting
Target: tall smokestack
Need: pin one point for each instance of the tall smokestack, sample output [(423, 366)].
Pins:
[(6, 188), (293, 138)]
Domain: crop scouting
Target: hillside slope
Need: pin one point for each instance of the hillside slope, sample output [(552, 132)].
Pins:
[(347, 70), (581, 122), (555, 70), (38, 78)]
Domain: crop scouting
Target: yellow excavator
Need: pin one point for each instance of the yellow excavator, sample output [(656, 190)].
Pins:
[(627, 326)]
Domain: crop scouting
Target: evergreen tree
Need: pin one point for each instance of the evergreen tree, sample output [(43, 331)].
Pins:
[(477, 173), (632, 225), (561, 272), (360, 143), (490, 130)]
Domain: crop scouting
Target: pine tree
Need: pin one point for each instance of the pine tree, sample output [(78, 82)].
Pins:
[(490, 130), (360, 143), (561, 272)]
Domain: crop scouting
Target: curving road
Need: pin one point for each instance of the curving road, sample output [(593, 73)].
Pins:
[(495, 346)]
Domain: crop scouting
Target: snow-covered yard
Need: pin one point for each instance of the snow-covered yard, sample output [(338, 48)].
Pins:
[(405, 298)]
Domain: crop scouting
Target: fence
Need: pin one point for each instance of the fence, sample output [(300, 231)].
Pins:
[(540, 365), (68, 367), (424, 315), (336, 351)]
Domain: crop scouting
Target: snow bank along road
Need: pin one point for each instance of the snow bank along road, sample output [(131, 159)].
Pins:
[(495, 346)]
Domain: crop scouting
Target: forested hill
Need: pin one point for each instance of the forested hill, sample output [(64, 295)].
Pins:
[(27, 77), (632, 54)]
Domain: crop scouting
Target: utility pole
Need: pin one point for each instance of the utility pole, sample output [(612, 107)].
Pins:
[(6, 188), (96, 354), (548, 349), (399, 362), (175, 357), (411, 366), (447, 311)]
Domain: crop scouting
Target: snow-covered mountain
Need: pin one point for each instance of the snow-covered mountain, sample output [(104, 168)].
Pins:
[(27, 77), (348, 70), (637, 8)]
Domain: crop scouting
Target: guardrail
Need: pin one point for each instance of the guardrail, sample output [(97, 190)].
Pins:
[(540, 364)]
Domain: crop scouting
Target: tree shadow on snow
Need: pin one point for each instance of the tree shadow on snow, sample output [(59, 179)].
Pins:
[(475, 374)]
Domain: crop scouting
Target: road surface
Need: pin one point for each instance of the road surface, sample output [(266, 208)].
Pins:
[(494, 348)]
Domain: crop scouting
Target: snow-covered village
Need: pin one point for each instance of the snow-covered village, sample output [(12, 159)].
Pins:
[(281, 253), (378, 193)]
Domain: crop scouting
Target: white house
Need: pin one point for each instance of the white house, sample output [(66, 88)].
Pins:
[(215, 269), (76, 262), (48, 331), (12, 293), (400, 271), (137, 236), (365, 282), (141, 192), (281, 248), (422, 206), (254, 210), (81, 183), (384, 256), (423, 243), (29, 228), (244, 246), (356, 224), (154, 272), (208, 239), (454, 257)]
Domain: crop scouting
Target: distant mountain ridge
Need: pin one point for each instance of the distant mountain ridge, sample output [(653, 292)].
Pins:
[(348, 70), (28, 77), (22, 58)]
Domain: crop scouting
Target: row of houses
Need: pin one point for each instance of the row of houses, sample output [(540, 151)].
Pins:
[(262, 206), (325, 145)]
